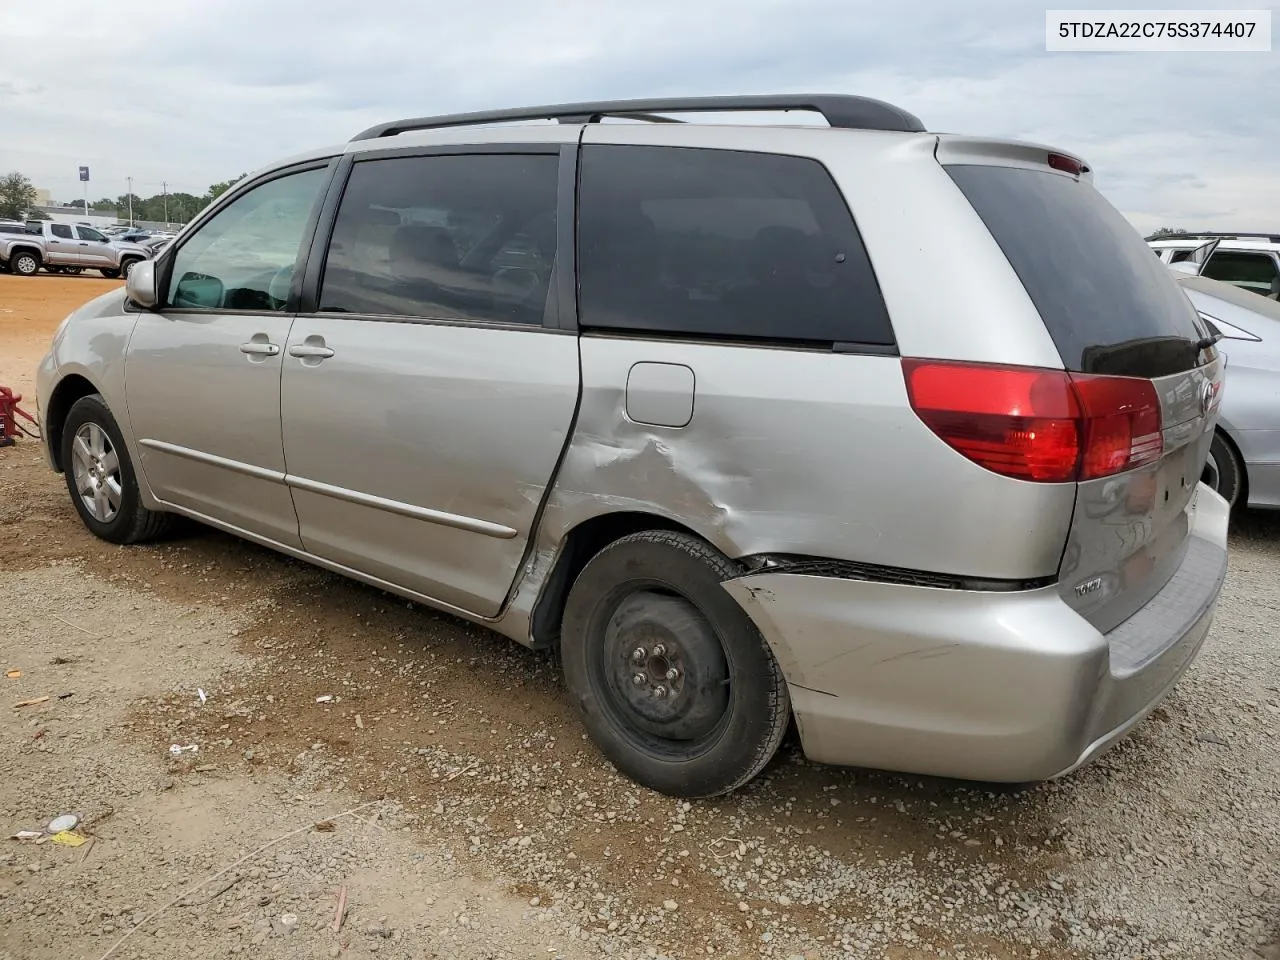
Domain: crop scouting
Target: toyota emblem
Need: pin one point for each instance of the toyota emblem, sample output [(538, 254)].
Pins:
[(1209, 393)]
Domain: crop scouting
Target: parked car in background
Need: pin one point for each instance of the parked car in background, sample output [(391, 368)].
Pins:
[(133, 236), (157, 243), (1244, 458), (65, 246), (648, 393), (1251, 261)]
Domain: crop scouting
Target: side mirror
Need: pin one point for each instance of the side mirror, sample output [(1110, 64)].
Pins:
[(141, 284)]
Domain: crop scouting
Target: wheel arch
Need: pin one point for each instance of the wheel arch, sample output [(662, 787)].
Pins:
[(69, 389), (19, 248), (578, 546), (1224, 432)]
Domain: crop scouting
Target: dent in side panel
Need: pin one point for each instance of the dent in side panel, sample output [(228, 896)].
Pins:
[(795, 451)]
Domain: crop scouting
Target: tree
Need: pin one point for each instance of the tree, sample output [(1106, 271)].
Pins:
[(1168, 232), (38, 215), (183, 207), (122, 206), (218, 189), (17, 196)]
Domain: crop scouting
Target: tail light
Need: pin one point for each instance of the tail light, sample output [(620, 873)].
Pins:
[(1047, 426), (1060, 161)]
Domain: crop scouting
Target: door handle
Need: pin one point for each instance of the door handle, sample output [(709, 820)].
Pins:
[(258, 348), (309, 351)]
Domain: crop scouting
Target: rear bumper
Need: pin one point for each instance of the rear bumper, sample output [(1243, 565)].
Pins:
[(1008, 687)]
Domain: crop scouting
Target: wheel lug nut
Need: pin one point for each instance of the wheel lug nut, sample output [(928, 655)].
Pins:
[(659, 650), (673, 674), (659, 691), (638, 679), (639, 655)]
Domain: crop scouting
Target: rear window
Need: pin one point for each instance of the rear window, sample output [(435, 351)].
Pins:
[(717, 243), (1109, 305)]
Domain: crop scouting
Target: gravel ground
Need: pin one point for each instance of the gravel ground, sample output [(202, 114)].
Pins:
[(496, 830)]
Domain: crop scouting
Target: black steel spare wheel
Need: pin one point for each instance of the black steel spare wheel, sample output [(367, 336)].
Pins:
[(674, 682), (664, 670)]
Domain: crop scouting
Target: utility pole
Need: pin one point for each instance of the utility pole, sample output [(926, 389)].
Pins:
[(129, 180), (164, 187)]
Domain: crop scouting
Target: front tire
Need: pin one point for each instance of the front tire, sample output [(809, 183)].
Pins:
[(25, 263), (101, 479), (673, 681), (1224, 472), (126, 266)]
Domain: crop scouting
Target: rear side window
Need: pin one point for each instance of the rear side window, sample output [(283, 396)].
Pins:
[(713, 243), (1109, 305), (446, 237), (1253, 271)]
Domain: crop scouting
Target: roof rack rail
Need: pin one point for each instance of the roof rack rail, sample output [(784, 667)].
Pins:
[(1226, 235), (842, 111)]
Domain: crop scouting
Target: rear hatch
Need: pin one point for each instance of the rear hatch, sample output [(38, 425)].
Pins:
[(1141, 363)]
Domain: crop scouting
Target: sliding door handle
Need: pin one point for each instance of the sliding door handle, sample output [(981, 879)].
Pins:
[(309, 351)]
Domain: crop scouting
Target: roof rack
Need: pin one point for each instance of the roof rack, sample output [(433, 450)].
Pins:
[(844, 112), (1209, 235)]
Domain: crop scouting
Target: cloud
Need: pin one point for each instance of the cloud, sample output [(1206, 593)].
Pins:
[(196, 92)]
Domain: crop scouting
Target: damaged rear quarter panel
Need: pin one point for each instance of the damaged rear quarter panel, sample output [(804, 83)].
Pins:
[(798, 451)]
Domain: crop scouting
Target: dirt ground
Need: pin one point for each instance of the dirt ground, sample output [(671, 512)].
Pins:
[(486, 826)]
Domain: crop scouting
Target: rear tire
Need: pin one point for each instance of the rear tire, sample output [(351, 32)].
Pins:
[(1224, 472), (673, 681), (101, 479), (25, 264)]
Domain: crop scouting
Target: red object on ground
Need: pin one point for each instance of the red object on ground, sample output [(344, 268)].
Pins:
[(9, 414)]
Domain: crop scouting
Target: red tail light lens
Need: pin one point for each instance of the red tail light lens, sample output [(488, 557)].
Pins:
[(1122, 424), (1066, 164), (1033, 424)]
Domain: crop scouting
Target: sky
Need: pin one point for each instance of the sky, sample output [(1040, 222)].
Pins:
[(190, 92)]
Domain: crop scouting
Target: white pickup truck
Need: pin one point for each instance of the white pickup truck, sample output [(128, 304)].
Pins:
[(65, 248)]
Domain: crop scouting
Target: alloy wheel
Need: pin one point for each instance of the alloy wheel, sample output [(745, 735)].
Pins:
[(96, 467)]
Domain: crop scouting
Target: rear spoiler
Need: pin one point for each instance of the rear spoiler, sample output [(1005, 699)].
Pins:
[(952, 149)]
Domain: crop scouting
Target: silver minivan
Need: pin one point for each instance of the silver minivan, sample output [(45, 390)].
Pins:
[(890, 433)]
